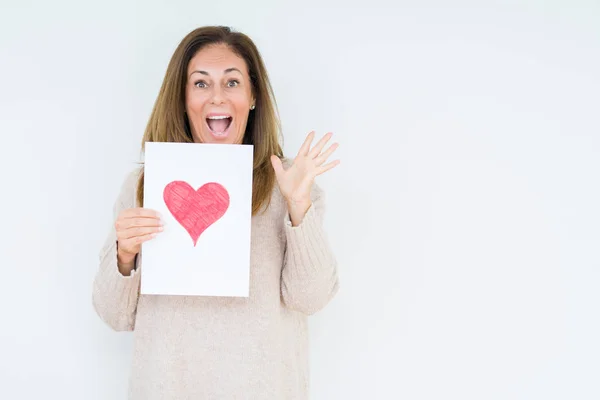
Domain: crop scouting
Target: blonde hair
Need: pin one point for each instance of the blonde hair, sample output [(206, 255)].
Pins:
[(168, 121)]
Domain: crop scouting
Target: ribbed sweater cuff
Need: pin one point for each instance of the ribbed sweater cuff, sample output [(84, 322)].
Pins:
[(117, 293), (109, 261), (309, 254)]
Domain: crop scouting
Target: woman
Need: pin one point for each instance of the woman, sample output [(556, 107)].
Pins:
[(216, 90)]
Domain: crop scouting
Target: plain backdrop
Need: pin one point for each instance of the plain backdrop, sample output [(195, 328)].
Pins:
[(464, 215)]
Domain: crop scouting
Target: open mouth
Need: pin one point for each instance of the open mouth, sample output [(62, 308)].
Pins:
[(219, 124)]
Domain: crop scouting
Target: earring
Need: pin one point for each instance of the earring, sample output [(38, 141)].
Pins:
[(252, 107)]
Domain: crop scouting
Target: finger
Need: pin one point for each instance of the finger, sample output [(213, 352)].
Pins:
[(277, 165), (306, 145), (327, 167), (138, 231), (134, 222), (141, 212), (125, 223), (319, 146), (138, 240), (324, 156)]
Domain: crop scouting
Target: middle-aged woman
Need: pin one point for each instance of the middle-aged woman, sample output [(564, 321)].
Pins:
[(216, 90)]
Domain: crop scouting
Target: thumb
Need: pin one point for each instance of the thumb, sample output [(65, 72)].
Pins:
[(277, 165)]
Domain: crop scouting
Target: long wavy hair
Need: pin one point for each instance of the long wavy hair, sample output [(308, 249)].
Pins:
[(169, 122)]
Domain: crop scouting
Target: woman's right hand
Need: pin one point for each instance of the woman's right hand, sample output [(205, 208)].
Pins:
[(135, 226)]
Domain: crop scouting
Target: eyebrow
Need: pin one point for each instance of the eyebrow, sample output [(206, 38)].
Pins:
[(228, 70)]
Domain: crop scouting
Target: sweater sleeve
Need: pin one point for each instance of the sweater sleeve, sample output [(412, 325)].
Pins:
[(309, 276), (114, 295)]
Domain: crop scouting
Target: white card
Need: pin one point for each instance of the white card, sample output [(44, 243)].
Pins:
[(204, 194)]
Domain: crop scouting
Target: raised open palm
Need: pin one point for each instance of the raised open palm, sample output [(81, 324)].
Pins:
[(295, 182)]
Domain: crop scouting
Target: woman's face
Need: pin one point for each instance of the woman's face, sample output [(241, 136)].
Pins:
[(218, 96)]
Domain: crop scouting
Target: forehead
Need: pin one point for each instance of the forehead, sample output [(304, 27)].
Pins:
[(215, 59)]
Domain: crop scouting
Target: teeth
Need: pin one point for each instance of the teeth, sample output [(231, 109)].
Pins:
[(219, 117)]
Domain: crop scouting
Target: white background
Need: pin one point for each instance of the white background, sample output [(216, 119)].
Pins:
[(465, 213)]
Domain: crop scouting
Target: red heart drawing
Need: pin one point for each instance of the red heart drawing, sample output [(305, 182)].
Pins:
[(196, 210)]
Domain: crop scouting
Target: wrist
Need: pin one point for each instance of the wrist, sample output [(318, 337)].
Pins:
[(126, 260), (297, 210)]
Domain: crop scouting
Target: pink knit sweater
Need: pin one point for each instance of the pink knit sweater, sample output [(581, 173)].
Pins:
[(225, 348)]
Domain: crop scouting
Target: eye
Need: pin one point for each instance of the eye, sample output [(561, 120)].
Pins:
[(200, 84), (233, 83)]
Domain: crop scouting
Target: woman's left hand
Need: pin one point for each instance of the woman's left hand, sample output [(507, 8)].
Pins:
[(295, 183)]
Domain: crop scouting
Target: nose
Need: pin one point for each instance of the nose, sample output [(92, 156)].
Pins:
[(217, 96)]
